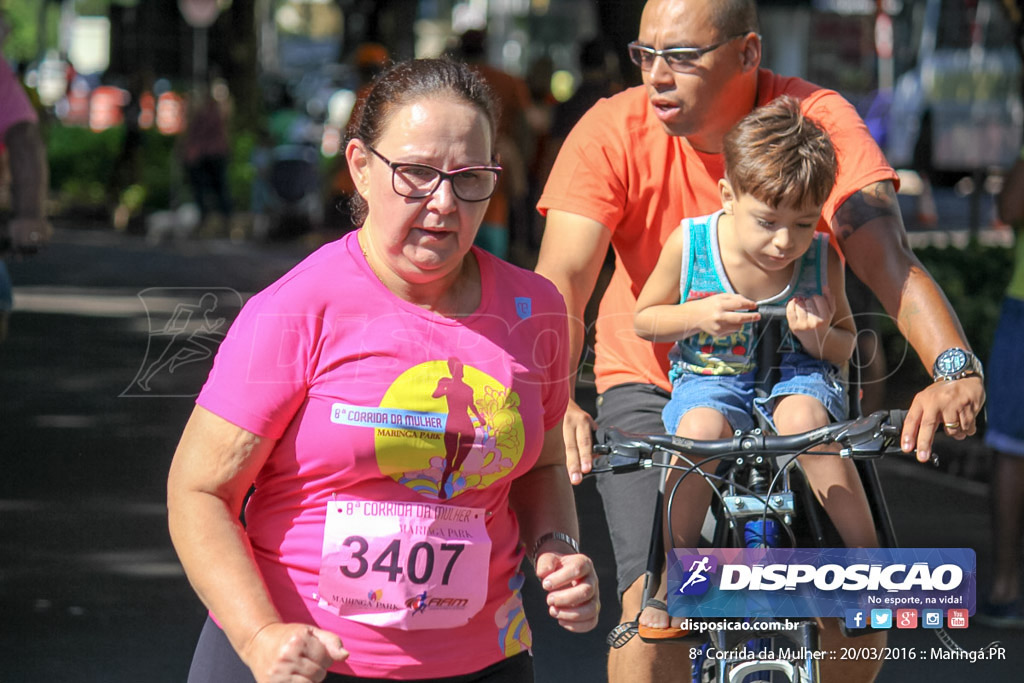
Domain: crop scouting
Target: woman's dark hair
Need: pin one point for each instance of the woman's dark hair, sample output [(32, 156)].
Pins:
[(407, 82)]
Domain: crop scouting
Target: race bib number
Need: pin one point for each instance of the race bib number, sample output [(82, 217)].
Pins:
[(404, 565)]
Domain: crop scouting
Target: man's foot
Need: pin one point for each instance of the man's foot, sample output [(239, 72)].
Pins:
[(654, 623), (1001, 614)]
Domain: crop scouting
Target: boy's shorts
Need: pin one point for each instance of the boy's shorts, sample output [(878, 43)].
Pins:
[(1005, 431), (733, 395)]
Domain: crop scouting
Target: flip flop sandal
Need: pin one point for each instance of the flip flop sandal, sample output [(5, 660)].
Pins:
[(621, 634), (659, 635)]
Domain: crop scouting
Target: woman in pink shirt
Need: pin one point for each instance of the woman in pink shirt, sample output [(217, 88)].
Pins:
[(396, 400)]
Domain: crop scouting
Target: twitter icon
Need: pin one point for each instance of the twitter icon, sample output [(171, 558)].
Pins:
[(881, 618)]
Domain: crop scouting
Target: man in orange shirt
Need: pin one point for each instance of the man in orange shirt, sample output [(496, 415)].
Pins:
[(640, 162)]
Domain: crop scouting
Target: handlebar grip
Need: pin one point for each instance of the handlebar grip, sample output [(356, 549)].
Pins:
[(770, 312), (897, 417)]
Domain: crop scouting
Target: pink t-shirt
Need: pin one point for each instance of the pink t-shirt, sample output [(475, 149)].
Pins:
[(14, 104), (379, 405)]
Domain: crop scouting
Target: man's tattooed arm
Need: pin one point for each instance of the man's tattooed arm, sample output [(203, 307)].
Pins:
[(877, 200)]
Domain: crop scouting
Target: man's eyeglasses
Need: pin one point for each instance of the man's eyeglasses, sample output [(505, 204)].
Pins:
[(419, 181), (679, 59)]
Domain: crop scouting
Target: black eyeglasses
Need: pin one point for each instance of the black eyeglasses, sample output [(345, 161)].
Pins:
[(679, 59), (419, 181)]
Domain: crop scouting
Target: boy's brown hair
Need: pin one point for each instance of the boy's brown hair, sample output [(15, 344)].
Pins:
[(780, 157)]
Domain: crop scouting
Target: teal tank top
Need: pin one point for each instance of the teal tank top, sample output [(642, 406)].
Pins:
[(704, 275)]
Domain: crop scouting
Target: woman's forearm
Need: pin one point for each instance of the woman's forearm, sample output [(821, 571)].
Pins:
[(213, 467), (217, 557), (543, 502)]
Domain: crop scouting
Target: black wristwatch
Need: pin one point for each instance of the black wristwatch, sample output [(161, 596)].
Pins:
[(956, 363)]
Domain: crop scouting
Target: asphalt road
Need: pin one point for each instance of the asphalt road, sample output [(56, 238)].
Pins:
[(97, 380)]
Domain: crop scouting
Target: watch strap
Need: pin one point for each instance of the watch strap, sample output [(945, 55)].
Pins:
[(554, 536)]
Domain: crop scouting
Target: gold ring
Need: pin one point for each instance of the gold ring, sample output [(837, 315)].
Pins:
[(952, 425)]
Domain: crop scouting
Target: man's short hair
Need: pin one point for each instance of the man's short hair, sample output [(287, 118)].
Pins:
[(780, 157), (734, 17)]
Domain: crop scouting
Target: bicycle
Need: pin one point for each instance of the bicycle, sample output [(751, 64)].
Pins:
[(757, 487), (757, 502)]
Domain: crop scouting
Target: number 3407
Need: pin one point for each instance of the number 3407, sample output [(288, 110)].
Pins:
[(418, 565)]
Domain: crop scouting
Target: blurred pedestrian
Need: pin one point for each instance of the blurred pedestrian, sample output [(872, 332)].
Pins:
[(205, 152), (1005, 432), (28, 228), (599, 77), (514, 142), (370, 59), (127, 169)]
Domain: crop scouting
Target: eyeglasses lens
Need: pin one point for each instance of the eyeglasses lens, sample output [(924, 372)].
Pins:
[(417, 182), (677, 59)]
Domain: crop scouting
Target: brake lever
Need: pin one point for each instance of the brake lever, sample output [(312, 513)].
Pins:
[(623, 457)]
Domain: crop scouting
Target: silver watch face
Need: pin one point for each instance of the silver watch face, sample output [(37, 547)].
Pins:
[(950, 362)]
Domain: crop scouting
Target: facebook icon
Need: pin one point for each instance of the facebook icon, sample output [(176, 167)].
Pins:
[(856, 618)]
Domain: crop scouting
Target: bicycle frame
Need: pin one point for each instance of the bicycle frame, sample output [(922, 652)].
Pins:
[(866, 437)]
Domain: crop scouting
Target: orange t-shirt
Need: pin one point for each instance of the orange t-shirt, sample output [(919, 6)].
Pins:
[(619, 167)]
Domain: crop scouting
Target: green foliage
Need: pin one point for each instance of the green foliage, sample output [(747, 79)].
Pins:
[(974, 280), (84, 170), (81, 162), (23, 43), (240, 170)]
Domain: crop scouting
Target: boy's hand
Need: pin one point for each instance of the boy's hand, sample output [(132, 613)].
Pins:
[(810, 314), (725, 314)]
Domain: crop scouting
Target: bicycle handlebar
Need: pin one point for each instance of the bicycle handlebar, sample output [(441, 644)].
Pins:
[(770, 312), (869, 436)]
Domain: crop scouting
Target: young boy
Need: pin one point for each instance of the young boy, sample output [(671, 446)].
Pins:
[(713, 272)]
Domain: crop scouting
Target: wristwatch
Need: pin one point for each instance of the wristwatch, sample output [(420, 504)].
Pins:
[(956, 363), (556, 536)]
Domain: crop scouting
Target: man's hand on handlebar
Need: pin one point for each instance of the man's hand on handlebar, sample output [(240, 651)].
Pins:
[(577, 429), (952, 406)]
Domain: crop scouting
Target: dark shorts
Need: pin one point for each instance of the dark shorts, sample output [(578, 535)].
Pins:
[(630, 500), (215, 661), (1005, 372)]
